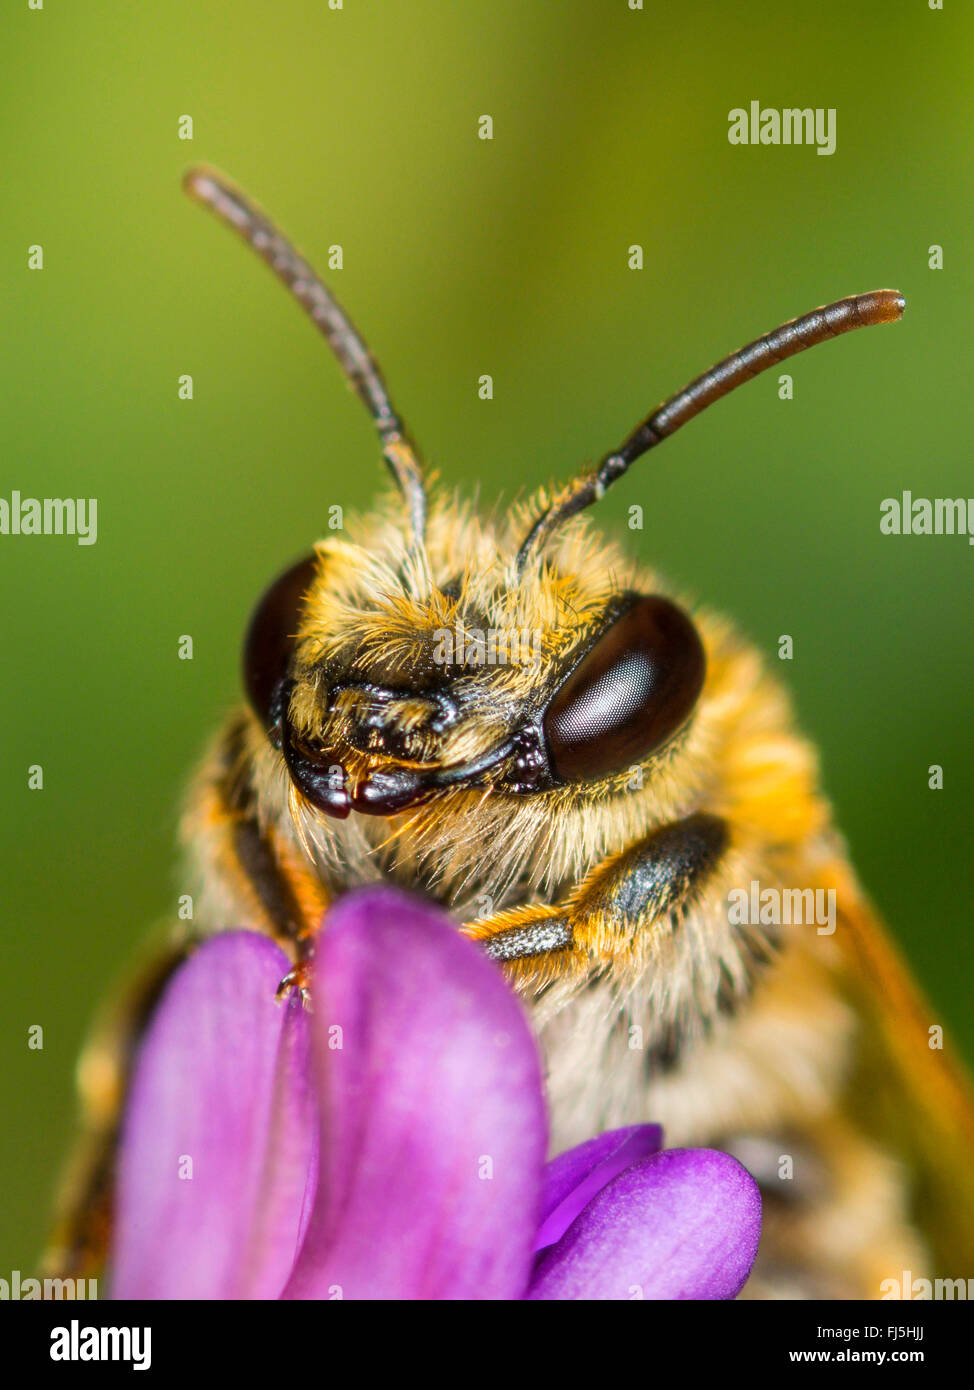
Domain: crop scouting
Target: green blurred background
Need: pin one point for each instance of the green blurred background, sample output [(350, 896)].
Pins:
[(462, 257)]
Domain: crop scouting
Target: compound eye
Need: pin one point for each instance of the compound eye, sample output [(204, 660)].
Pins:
[(269, 642), (629, 695)]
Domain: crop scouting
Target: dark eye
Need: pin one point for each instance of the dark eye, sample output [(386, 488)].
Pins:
[(270, 637), (631, 693)]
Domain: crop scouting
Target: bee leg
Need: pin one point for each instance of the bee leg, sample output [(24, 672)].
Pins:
[(263, 880), (299, 976), (651, 880), (78, 1245)]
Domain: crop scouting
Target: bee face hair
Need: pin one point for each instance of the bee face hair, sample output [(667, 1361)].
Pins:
[(384, 686)]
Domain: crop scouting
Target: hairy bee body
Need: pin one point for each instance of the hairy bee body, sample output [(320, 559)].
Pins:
[(599, 788), (746, 1035)]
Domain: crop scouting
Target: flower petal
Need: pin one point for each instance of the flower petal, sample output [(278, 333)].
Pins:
[(683, 1224), (433, 1131), (573, 1178), (218, 1153)]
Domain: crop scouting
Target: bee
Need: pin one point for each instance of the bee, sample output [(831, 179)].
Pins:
[(508, 715)]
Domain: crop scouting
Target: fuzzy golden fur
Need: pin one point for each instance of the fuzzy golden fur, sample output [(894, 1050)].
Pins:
[(764, 1042), (777, 1061)]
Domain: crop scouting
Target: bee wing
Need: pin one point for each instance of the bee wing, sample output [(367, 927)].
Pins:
[(907, 1090)]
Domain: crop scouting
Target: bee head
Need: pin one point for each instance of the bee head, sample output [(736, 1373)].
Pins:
[(380, 702), (359, 730)]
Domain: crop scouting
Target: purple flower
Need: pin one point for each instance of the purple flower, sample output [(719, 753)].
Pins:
[(391, 1144)]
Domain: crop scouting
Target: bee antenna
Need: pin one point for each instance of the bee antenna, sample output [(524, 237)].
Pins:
[(233, 207), (857, 311)]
